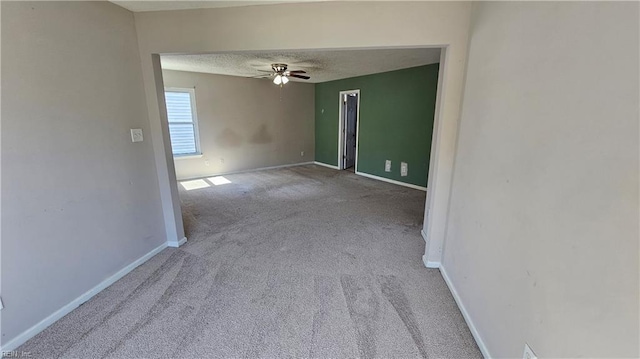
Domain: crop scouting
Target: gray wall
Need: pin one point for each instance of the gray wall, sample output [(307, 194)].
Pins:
[(542, 239), (246, 123), (80, 201)]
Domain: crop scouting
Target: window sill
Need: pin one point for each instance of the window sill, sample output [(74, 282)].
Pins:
[(187, 157)]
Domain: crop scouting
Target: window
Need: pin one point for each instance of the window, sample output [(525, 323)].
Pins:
[(183, 123)]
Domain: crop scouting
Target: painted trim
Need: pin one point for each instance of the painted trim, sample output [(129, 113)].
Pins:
[(43, 324), (326, 165), (392, 181), (429, 264), (424, 235), (357, 131), (467, 318), (194, 115), (425, 260), (187, 157), (341, 125), (177, 244), (245, 171)]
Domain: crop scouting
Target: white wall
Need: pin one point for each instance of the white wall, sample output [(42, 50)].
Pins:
[(542, 239), (80, 201), (246, 123), (326, 25)]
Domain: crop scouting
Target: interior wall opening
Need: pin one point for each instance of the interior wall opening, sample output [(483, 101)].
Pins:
[(403, 91), (348, 129)]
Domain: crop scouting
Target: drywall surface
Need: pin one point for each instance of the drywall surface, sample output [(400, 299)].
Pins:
[(324, 25), (396, 121), (246, 123), (80, 201), (542, 240)]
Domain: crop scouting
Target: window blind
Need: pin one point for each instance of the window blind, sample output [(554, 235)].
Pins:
[(182, 126)]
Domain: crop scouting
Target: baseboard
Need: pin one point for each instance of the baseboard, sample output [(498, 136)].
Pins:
[(392, 181), (429, 264), (425, 260), (178, 243), (43, 324), (245, 171), (465, 314), (326, 165), (424, 235)]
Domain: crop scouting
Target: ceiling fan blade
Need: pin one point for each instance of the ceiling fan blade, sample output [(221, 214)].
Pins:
[(260, 76), (300, 76), (297, 72)]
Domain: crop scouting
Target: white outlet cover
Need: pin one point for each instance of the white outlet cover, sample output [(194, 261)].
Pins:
[(528, 353), (404, 168), (136, 135), (387, 166)]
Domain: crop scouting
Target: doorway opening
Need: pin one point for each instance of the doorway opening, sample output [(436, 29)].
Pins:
[(440, 165), (349, 122)]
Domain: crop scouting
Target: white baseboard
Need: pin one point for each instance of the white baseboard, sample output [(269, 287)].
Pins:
[(43, 324), (245, 171), (326, 165), (425, 260), (428, 263), (178, 243), (465, 314), (424, 235), (392, 181)]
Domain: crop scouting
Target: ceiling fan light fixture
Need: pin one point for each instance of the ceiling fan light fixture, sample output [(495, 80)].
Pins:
[(281, 74)]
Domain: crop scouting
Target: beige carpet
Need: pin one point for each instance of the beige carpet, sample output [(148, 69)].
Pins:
[(303, 262)]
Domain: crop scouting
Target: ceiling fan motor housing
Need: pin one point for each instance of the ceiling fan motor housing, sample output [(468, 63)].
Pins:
[(279, 68)]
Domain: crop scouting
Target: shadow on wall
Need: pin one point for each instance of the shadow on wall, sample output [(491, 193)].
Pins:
[(229, 138), (262, 136)]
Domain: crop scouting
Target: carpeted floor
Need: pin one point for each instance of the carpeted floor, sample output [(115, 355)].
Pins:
[(304, 262)]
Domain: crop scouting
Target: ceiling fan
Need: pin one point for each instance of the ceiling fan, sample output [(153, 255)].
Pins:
[(281, 75)]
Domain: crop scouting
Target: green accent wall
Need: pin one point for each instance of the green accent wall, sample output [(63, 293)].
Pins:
[(396, 121)]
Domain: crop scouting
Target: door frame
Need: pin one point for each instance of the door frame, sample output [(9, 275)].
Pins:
[(341, 126)]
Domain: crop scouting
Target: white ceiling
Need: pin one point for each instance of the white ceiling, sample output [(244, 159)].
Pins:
[(151, 5), (320, 65)]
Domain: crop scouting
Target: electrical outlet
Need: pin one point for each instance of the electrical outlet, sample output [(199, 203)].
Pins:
[(404, 169), (387, 166), (136, 135), (528, 353), (301, 153)]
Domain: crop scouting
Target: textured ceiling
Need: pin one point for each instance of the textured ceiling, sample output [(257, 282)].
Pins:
[(150, 5), (322, 66)]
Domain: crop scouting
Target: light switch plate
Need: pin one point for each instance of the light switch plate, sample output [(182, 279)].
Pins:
[(387, 166), (404, 169), (136, 135)]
